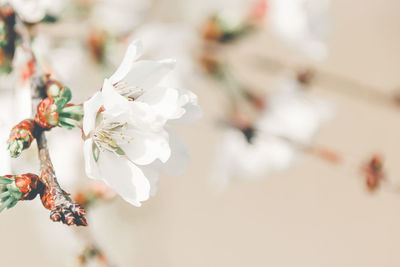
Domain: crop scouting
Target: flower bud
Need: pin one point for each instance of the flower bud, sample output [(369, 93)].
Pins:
[(374, 172), (14, 188), (47, 115), (21, 137), (55, 109)]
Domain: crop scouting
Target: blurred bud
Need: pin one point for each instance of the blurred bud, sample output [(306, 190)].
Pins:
[(8, 38), (259, 11), (97, 44), (210, 64), (21, 137), (224, 28), (305, 76), (373, 172), (256, 100)]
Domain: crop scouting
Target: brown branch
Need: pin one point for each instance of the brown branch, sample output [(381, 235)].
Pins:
[(54, 198)]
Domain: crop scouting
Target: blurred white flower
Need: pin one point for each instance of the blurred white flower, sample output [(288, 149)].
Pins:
[(293, 114), (237, 157), (288, 123), (119, 16), (127, 143), (179, 42), (304, 24), (35, 10)]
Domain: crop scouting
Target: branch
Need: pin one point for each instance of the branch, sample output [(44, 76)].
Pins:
[(54, 198)]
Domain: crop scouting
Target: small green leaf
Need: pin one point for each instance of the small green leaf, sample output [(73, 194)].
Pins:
[(66, 93), (119, 150), (96, 152), (76, 110), (5, 180), (4, 194)]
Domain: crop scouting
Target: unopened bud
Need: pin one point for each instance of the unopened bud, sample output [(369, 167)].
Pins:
[(21, 137)]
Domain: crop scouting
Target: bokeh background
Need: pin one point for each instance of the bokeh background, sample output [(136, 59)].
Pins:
[(312, 214)]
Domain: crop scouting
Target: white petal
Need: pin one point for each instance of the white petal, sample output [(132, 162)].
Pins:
[(178, 163), (153, 177), (148, 73), (114, 103), (133, 52), (188, 101), (124, 177), (146, 147), (163, 102), (91, 167), (90, 108)]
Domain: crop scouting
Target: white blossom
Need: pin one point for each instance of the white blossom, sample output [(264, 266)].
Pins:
[(289, 122), (127, 142), (304, 24)]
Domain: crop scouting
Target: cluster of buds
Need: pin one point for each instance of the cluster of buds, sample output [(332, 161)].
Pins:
[(21, 137), (55, 110), (373, 172), (52, 111), (8, 38), (14, 188)]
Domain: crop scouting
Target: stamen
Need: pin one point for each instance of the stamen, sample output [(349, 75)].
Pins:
[(130, 92)]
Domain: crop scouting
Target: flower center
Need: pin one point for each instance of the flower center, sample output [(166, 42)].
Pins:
[(110, 136)]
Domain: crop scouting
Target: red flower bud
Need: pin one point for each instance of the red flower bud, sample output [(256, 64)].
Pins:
[(21, 137), (47, 115), (14, 188)]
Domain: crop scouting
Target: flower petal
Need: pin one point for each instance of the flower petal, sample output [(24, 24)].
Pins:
[(114, 103), (91, 167), (146, 146), (153, 177), (178, 163), (90, 108), (188, 101), (124, 177), (163, 101), (133, 52), (148, 73)]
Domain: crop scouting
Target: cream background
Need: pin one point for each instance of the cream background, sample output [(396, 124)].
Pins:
[(312, 215)]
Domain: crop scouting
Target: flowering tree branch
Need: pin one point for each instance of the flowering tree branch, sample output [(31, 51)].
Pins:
[(54, 198)]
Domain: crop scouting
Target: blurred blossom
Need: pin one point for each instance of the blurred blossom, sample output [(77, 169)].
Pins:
[(60, 58), (287, 124), (237, 157), (125, 126), (33, 11), (119, 17), (293, 114), (179, 42), (304, 24), (233, 11)]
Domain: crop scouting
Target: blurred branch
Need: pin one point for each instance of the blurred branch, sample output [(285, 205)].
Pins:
[(342, 84)]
